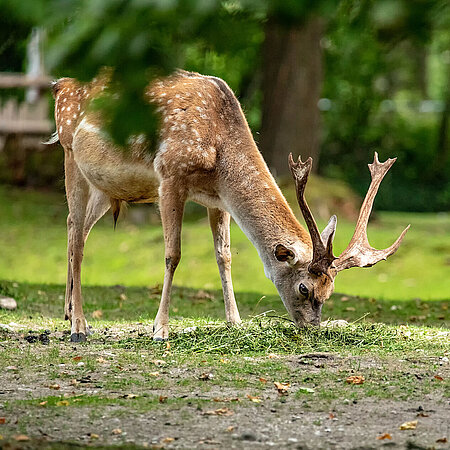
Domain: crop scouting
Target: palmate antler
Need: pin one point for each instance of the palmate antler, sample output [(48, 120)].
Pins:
[(358, 253), (322, 251)]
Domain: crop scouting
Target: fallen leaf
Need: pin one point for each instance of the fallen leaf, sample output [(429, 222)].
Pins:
[(159, 362), (271, 355), (77, 358), (331, 416), (74, 382), (55, 387), (384, 436), (162, 399), (225, 399), (21, 438), (350, 309), (254, 398), (442, 440), (306, 390), (263, 380), (423, 415), (43, 403), (154, 374), (101, 360), (409, 425), (219, 412), (97, 314), (167, 345), (205, 376), (438, 377), (94, 436), (62, 403), (282, 387), (230, 429), (224, 361), (168, 440), (116, 431), (355, 379), (130, 396), (2, 420)]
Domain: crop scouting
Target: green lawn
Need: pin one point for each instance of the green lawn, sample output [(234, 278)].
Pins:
[(33, 243)]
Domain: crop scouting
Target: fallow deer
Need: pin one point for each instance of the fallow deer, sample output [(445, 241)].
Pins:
[(205, 153)]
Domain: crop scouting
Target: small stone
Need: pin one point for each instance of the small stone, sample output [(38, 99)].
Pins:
[(8, 303), (248, 437)]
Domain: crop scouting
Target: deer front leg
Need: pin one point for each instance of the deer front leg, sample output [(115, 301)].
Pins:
[(172, 201), (220, 226)]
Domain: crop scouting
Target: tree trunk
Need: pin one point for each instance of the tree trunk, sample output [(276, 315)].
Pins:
[(292, 81)]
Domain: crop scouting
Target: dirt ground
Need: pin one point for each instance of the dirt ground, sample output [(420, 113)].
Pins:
[(210, 416)]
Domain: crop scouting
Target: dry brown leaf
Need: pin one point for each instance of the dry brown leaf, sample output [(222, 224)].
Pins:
[(205, 376), (272, 355), (62, 403), (384, 436), (331, 416), (162, 399), (423, 415), (130, 396), (442, 440), (43, 403), (21, 438), (77, 358), (154, 374), (101, 360), (116, 431), (219, 412), (167, 345), (282, 388), (94, 436), (409, 425), (2, 420), (158, 362), (254, 398), (168, 440), (263, 380), (55, 387), (230, 429), (438, 377), (355, 379), (97, 314)]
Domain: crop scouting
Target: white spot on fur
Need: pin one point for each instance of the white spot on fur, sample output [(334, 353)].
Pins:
[(68, 122), (60, 129), (68, 108)]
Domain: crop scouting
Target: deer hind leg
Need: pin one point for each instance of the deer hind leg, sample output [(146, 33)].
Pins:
[(86, 206), (172, 207), (220, 226), (97, 205)]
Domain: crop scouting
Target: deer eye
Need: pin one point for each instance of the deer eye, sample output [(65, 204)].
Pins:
[(303, 289)]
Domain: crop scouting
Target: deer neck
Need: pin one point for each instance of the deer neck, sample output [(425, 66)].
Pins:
[(256, 203)]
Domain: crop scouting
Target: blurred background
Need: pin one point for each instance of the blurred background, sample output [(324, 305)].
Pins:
[(335, 80)]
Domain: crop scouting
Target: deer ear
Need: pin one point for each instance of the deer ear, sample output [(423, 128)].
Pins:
[(284, 254)]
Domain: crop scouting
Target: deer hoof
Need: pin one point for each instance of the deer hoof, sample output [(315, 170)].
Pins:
[(77, 337)]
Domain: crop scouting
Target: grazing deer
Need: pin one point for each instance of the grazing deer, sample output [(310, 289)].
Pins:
[(206, 154)]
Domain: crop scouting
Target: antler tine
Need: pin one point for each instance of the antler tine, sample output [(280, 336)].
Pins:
[(322, 255), (359, 253)]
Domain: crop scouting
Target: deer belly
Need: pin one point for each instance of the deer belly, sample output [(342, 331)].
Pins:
[(118, 175)]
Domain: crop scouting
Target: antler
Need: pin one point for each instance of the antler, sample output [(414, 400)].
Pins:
[(322, 252), (359, 253)]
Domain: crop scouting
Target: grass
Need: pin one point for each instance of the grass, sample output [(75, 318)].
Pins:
[(33, 242), (398, 337)]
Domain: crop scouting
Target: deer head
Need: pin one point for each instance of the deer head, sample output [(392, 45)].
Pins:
[(305, 284)]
